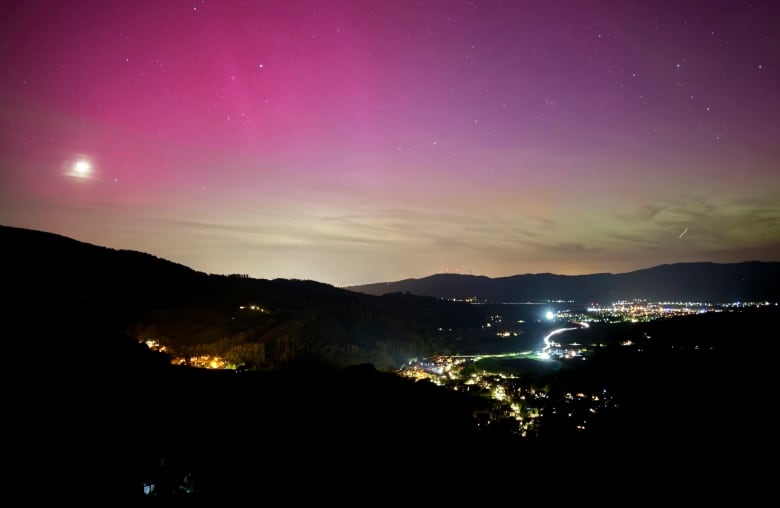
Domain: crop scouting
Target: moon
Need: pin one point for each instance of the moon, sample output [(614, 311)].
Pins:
[(82, 168)]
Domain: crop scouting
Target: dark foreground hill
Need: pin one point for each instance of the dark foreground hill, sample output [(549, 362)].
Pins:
[(91, 413), (257, 323), (681, 282), (694, 398)]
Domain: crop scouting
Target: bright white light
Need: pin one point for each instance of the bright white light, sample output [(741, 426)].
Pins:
[(82, 168), (550, 315), (79, 168)]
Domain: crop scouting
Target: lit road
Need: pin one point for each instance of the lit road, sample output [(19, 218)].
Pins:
[(548, 344), (544, 353)]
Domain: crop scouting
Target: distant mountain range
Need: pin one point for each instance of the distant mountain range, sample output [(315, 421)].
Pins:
[(699, 282), (63, 290)]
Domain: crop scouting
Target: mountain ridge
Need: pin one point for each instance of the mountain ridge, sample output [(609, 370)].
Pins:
[(704, 281), (686, 281), (260, 322)]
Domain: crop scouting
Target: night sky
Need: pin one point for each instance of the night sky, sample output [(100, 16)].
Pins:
[(362, 141)]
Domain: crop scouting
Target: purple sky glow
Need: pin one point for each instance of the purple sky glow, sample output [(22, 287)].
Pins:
[(362, 141)]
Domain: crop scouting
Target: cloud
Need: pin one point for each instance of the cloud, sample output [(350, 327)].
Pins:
[(710, 225)]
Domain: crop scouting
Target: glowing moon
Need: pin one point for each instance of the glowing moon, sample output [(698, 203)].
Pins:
[(82, 169)]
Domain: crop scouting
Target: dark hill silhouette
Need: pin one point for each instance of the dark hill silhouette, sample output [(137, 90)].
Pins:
[(145, 296), (699, 282), (93, 413), (94, 274)]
